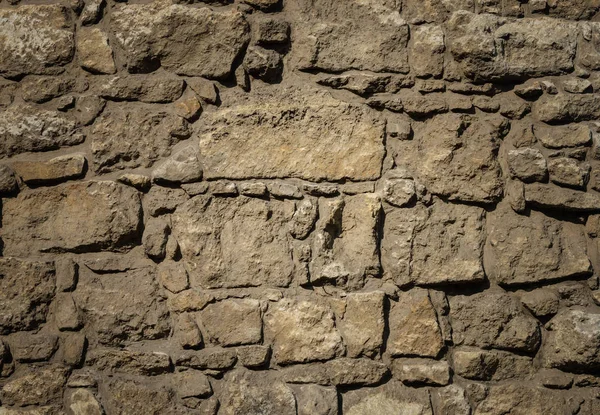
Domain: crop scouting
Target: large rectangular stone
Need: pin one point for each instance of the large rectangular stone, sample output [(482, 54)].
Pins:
[(83, 216), (306, 134)]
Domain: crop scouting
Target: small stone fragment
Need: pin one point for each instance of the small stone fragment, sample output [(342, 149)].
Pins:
[(155, 237), (399, 192), (223, 188), (285, 190), (188, 106), (265, 64), (182, 167), (205, 89), (304, 218), (253, 189), (26, 347), (82, 402), (541, 302), (8, 182), (577, 86), (40, 89), (563, 136), (73, 348), (92, 12), (253, 356), (268, 30), (139, 181), (66, 315)]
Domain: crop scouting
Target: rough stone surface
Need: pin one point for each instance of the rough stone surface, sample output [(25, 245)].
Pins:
[(321, 138), (35, 39), (111, 223), (299, 207)]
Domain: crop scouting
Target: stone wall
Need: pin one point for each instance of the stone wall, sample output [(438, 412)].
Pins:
[(300, 207)]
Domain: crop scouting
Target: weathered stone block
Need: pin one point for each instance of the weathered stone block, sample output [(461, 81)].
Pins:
[(387, 399), (363, 324), (26, 289), (151, 36), (234, 242), (233, 322), (302, 331), (83, 216), (535, 248), (441, 244), (290, 132), (35, 39)]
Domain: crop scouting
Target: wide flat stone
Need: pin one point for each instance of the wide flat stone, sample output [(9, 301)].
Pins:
[(35, 39), (151, 36), (289, 132), (83, 216), (532, 249), (234, 242), (387, 399)]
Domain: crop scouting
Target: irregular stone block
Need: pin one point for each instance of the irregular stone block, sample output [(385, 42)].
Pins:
[(187, 332), (131, 396), (254, 393), (183, 167), (24, 128), (573, 343), (562, 108), (345, 248), (427, 51), (93, 51), (325, 139), (339, 372), (233, 322), (491, 48), (328, 37), (150, 36), (451, 400), (8, 181), (35, 39), (145, 88), (27, 347), (527, 164), (56, 169), (122, 307), (253, 356), (535, 248), (83, 216), (316, 400), (128, 361), (66, 313), (40, 89), (26, 289), (413, 325), (541, 302), (421, 371), (386, 399), (493, 319), (441, 244), (82, 401), (192, 383), (363, 324), (563, 136), (550, 197), (492, 365), (135, 136), (568, 172), (35, 386), (302, 331), (211, 358), (234, 242), (455, 156)]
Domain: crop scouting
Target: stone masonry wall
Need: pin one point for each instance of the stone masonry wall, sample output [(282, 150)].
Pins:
[(300, 207)]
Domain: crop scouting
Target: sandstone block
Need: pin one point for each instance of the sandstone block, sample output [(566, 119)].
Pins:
[(56, 169), (39, 386), (26, 289), (363, 324), (35, 39), (421, 371), (528, 164), (326, 139), (233, 322), (128, 361), (145, 88), (192, 383), (26, 347), (441, 244), (386, 399), (234, 242), (302, 331), (83, 216), (94, 53), (427, 51)]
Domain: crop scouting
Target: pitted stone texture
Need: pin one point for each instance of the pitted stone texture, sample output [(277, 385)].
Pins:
[(83, 216), (302, 331), (233, 322), (122, 307), (26, 289), (94, 53), (290, 132), (387, 399), (40, 386), (531, 249), (134, 136), (187, 41), (441, 244), (345, 248), (35, 39), (564, 108), (413, 325), (363, 324), (123, 360), (329, 36), (493, 319), (256, 394), (573, 343), (24, 128), (455, 156), (491, 48), (235, 242), (131, 396)]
